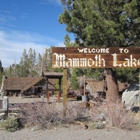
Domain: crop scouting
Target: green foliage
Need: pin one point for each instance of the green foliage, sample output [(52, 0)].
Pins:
[(57, 69), (103, 23), (47, 60), (39, 59), (96, 74), (98, 125), (33, 73), (11, 124), (1, 75), (73, 80), (29, 65), (68, 42), (138, 124), (127, 74)]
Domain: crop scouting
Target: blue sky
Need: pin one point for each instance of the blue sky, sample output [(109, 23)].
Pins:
[(28, 24)]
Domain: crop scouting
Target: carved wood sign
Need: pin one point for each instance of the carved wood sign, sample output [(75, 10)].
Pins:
[(79, 57)]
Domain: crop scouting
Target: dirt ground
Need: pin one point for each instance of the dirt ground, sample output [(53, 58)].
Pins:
[(66, 132), (73, 132), (29, 99)]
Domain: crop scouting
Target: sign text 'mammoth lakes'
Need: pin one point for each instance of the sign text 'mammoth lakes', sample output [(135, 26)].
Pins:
[(63, 57)]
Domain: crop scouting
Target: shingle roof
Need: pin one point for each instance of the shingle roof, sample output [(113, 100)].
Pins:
[(22, 83), (97, 86)]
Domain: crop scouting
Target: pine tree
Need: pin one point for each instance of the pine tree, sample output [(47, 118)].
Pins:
[(103, 23), (109, 23), (1, 71), (39, 60), (30, 59), (24, 64), (74, 80), (32, 62)]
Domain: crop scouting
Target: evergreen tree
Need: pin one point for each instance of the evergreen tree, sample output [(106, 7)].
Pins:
[(44, 64), (34, 57), (1, 68), (39, 64), (30, 59), (10, 72), (47, 59), (24, 64), (1, 71), (109, 23), (18, 70), (73, 80), (68, 42), (103, 23), (29, 65), (127, 74), (39, 60), (32, 62)]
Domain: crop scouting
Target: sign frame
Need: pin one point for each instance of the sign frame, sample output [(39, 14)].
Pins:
[(95, 57)]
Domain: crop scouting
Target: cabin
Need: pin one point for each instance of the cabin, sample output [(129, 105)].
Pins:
[(15, 86), (96, 88)]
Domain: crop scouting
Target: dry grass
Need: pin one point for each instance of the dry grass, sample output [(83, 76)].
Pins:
[(46, 115), (75, 111), (118, 116), (41, 114), (114, 114), (137, 117)]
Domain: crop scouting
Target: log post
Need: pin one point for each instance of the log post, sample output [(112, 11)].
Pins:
[(48, 96), (58, 97), (64, 90)]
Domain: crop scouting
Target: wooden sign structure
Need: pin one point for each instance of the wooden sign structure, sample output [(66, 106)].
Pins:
[(79, 57)]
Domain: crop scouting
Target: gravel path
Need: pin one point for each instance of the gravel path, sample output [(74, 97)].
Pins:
[(73, 132)]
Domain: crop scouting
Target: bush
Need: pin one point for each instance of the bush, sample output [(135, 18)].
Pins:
[(11, 124), (98, 125), (114, 114), (44, 115), (75, 111)]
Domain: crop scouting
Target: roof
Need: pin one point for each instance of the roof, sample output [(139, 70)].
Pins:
[(53, 74), (20, 83), (97, 86)]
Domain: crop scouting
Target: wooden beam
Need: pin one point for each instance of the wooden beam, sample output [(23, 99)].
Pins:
[(139, 87), (47, 89), (78, 57), (64, 90)]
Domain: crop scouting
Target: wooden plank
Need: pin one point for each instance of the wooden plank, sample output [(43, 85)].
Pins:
[(97, 50), (108, 57), (63, 57), (64, 90)]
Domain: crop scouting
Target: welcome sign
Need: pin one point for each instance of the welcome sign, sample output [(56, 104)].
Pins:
[(111, 57)]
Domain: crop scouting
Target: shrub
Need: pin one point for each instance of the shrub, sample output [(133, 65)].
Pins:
[(118, 116), (75, 111), (98, 125), (40, 114), (44, 115), (114, 114), (10, 124)]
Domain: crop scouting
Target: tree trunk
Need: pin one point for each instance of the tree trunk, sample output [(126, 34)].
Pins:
[(112, 91)]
